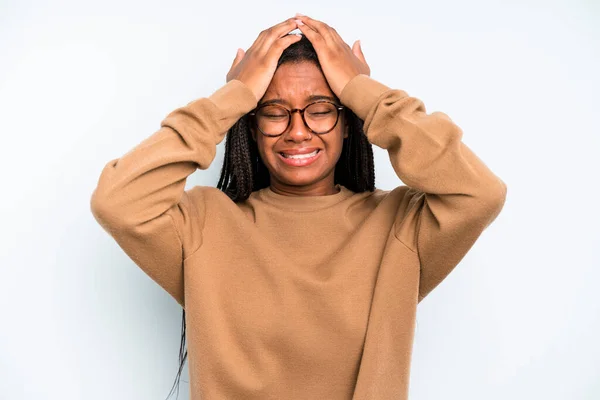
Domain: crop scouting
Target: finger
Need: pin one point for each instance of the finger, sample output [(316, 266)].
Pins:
[(283, 43), (333, 39), (265, 32), (313, 36), (268, 36), (283, 28), (238, 57), (328, 32), (322, 28), (357, 50)]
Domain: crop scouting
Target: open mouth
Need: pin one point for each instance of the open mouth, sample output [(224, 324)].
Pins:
[(300, 160), (300, 156)]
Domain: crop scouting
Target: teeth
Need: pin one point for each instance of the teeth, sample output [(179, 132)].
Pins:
[(300, 156)]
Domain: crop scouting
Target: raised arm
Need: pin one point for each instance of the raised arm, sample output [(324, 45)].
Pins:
[(451, 195), (140, 199)]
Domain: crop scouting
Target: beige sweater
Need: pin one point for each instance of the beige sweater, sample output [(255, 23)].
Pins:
[(300, 297)]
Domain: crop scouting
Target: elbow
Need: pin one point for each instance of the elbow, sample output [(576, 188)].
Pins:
[(103, 210), (489, 192), (498, 195), (494, 203), (97, 204), (99, 208), (102, 201)]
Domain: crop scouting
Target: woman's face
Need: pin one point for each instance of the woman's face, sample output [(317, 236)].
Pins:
[(295, 86)]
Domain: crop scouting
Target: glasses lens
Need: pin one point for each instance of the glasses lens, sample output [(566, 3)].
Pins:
[(272, 120), (321, 117)]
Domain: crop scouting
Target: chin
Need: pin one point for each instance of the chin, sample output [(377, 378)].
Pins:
[(299, 179), (299, 176)]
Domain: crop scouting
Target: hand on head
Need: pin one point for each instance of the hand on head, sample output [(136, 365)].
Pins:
[(339, 62), (258, 64)]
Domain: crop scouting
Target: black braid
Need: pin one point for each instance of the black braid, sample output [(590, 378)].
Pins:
[(244, 172)]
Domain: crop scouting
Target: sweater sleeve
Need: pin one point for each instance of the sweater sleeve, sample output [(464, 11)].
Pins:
[(140, 198), (450, 196)]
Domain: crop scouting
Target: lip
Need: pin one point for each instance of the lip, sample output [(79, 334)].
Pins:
[(299, 162), (304, 150)]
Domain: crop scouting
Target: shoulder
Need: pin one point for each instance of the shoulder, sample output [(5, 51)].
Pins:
[(380, 197), (205, 191), (387, 202), (203, 197)]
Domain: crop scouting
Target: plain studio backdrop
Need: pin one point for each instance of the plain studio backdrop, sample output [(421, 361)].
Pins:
[(82, 83)]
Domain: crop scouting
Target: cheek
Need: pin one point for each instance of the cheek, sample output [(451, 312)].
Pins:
[(336, 145), (265, 149)]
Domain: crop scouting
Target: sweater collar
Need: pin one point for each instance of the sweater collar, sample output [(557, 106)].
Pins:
[(302, 203)]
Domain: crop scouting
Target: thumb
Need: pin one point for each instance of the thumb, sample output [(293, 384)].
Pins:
[(238, 57), (357, 50)]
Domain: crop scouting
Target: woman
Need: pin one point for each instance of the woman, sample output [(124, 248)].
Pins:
[(299, 280)]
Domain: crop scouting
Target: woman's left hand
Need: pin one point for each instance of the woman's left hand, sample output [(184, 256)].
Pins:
[(339, 62)]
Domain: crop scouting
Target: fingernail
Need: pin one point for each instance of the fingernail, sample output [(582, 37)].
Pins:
[(300, 23), (299, 15)]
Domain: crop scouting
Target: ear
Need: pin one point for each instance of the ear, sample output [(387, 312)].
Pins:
[(253, 132)]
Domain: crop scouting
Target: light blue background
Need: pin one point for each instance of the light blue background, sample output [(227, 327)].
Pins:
[(83, 82)]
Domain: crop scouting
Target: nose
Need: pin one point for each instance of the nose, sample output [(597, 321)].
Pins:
[(297, 131)]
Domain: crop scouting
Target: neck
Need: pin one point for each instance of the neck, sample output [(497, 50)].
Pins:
[(324, 187)]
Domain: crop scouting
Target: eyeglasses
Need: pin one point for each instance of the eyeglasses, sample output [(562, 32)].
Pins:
[(320, 117)]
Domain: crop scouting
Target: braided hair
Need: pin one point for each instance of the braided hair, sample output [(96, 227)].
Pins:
[(244, 172)]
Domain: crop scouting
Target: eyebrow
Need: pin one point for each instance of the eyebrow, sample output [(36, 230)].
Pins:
[(314, 97)]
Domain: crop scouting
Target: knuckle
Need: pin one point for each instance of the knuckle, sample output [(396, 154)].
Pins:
[(262, 63)]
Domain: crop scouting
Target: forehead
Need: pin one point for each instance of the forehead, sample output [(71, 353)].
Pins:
[(295, 83)]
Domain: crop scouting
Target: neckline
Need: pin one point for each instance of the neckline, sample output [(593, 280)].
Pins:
[(303, 203)]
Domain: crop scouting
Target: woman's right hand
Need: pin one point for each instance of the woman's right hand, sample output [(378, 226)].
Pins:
[(256, 67)]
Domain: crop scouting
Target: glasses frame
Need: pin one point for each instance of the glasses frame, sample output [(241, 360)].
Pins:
[(338, 107)]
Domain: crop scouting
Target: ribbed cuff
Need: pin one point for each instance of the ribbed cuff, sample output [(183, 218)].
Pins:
[(234, 98)]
